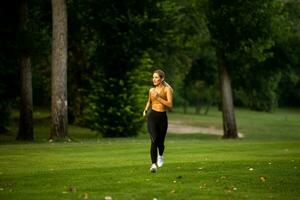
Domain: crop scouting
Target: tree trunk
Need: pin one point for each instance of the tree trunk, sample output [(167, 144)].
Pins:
[(209, 103), (185, 102), (25, 122), (185, 107), (198, 105), (229, 123), (59, 103), (26, 119)]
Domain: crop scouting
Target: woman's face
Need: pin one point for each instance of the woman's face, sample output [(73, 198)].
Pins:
[(156, 79)]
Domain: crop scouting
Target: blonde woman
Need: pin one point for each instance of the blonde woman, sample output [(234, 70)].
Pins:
[(160, 98)]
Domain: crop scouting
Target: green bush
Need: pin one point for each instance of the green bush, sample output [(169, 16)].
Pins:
[(116, 104)]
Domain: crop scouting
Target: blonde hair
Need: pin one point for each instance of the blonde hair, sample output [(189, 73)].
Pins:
[(162, 75)]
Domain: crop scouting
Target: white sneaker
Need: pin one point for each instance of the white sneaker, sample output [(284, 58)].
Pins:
[(160, 161), (153, 168)]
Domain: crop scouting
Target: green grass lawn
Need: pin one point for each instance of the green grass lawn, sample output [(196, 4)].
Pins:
[(263, 165)]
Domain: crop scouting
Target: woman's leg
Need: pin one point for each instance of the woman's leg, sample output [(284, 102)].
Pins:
[(153, 132), (162, 133)]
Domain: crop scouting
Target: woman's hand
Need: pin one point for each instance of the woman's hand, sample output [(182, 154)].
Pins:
[(154, 94), (168, 102), (144, 113)]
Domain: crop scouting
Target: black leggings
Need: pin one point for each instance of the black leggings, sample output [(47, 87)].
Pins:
[(157, 127)]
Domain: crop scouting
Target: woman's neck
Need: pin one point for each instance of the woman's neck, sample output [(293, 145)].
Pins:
[(159, 86)]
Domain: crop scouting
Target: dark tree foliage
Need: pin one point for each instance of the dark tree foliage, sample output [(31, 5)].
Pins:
[(80, 48), (260, 83), (250, 36), (244, 29), (200, 83), (8, 62), (124, 32), (35, 40), (287, 55), (40, 33)]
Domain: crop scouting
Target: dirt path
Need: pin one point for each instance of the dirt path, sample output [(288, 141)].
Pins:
[(176, 127)]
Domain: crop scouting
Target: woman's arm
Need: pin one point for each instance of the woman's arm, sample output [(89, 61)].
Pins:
[(169, 102), (147, 105)]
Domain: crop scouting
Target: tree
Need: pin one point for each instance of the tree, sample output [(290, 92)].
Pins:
[(229, 122), (241, 32), (26, 120), (59, 103)]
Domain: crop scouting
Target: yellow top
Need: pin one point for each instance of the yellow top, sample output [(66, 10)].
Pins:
[(155, 103), (159, 99)]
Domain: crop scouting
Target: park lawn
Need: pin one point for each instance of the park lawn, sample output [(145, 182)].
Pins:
[(194, 169), (262, 165)]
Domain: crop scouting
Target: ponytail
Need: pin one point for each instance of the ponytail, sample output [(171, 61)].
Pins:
[(167, 85)]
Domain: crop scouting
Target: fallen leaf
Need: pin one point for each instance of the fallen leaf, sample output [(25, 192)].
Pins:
[(263, 178), (85, 196), (230, 189), (108, 198)]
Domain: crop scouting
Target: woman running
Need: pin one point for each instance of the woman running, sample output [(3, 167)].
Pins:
[(160, 98)]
